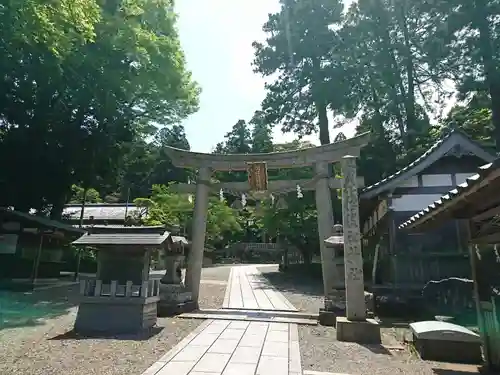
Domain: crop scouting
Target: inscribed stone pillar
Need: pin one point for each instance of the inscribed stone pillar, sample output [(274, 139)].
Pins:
[(325, 227), (195, 260), (353, 258)]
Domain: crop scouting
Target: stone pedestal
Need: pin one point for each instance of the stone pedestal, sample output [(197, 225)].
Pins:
[(105, 316), (108, 309), (354, 327), (175, 299), (363, 332)]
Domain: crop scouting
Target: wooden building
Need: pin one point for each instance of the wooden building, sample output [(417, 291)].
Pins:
[(400, 261), (476, 204), (31, 246)]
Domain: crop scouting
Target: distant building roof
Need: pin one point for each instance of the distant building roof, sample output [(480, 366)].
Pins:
[(122, 227), (454, 142), (100, 211), (146, 239), (40, 220)]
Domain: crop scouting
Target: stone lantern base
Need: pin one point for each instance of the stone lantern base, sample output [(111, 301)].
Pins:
[(175, 299), (334, 307)]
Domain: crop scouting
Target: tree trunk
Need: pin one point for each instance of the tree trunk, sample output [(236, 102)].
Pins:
[(324, 132), (397, 89), (409, 101), (490, 70), (58, 207), (320, 102)]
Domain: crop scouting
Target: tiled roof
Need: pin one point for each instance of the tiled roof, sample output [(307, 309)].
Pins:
[(434, 153), (122, 239), (452, 195), (121, 227), (43, 221), (100, 211)]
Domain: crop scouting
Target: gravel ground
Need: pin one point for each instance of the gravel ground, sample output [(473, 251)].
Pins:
[(46, 348), (320, 350), (216, 273)]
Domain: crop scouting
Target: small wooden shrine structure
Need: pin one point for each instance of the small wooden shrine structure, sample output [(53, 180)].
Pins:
[(401, 263), (32, 247), (121, 298), (476, 204)]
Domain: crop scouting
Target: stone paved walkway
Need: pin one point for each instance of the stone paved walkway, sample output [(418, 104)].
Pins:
[(238, 347), (224, 347), (248, 289)]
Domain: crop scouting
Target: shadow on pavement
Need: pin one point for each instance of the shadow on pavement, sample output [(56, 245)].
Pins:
[(140, 336), (294, 282)]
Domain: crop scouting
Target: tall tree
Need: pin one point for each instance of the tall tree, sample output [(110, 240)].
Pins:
[(237, 141), (300, 39), (468, 35), (262, 140)]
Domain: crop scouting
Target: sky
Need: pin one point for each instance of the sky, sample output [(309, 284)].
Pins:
[(217, 37)]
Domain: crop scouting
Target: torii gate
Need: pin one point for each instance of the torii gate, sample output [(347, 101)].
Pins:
[(344, 151)]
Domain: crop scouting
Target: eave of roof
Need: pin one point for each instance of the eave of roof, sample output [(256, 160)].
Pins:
[(137, 239), (433, 154), (449, 199), (43, 221)]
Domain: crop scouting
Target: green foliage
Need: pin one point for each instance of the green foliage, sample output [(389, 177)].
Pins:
[(392, 65), (82, 80), (164, 207), (91, 195), (296, 223), (59, 26), (297, 48)]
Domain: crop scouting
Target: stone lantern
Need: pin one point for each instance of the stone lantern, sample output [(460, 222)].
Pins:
[(175, 298), (335, 300)]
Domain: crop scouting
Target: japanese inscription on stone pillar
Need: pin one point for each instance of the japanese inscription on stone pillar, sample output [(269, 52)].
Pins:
[(353, 257)]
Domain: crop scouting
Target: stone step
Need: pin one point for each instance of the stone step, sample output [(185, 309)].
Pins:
[(262, 313), (249, 318)]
